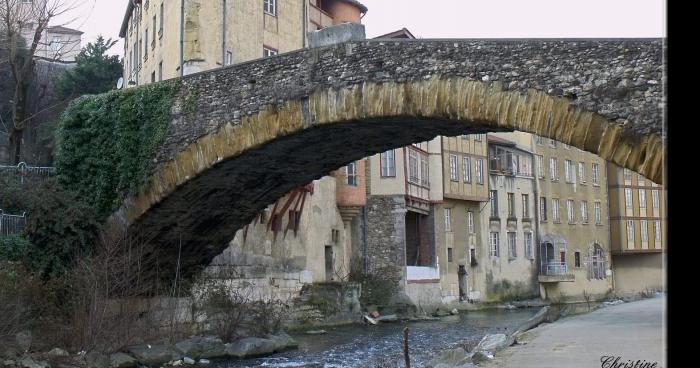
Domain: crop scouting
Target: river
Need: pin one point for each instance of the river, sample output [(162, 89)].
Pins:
[(381, 346)]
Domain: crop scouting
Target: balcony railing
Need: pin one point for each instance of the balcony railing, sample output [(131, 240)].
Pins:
[(23, 171), (12, 224), (554, 269)]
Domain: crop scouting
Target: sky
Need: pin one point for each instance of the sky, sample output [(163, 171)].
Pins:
[(453, 18)]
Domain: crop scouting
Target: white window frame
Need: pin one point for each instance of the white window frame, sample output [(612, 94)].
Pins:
[(630, 231), (655, 199), (526, 205), (527, 235), (479, 171), (267, 51), (644, 230), (512, 245), (351, 173), (387, 164), (584, 212), (657, 234), (454, 171), (413, 169), (642, 199), (270, 7), (594, 174), (597, 213), (448, 219), (493, 244), (582, 172), (467, 168), (553, 176), (493, 202), (470, 222), (540, 166), (229, 58), (568, 171), (628, 198), (555, 210), (570, 211), (543, 209)]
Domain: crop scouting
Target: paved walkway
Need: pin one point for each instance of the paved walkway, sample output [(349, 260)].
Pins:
[(633, 331)]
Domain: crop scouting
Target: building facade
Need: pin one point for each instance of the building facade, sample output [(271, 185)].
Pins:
[(638, 231), (574, 227), (166, 39)]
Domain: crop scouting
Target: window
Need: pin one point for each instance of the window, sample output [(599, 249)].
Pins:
[(627, 174), (448, 219), (160, 71), (596, 264), (449, 254), (543, 209), (597, 214), (56, 43), (570, 212), (479, 171), (351, 174), (655, 199), (553, 143), (424, 171), (478, 137), (145, 46), (528, 245), (555, 209), (628, 198), (577, 259), (494, 244), (388, 164), (657, 233), (512, 252), (569, 171), (553, 169), (644, 229), (584, 212), (642, 199), (594, 173), (454, 176), (267, 51), (155, 24), (470, 222), (566, 146), (539, 140), (153, 77), (582, 172), (511, 204), (540, 166), (467, 168), (526, 206), (229, 58), (630, 231), (270, 6), (413, 175), (162, 20), (493, 197), (472, 257)]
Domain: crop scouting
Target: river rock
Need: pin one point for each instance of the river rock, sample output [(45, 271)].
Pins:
[(202, 347), (479, 357), (283, 342), (95, 359), (250, 347), (492, 343), (155, 354), (57, 353), (204, 361), (28, 362), (450, 358), (24, 340), (122, 360), (316, 332), (188, 360)]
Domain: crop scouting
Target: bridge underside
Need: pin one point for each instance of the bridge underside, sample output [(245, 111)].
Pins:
[(204, 213)]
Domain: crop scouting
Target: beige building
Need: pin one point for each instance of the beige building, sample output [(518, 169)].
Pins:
[(166, 39), (458, 222), (57, 43), (574, 240), (638, 231)]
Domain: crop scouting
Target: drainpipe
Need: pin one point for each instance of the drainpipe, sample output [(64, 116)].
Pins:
[(607, 193), (182, 38), (305, 25), (223, 34), (364, 239)]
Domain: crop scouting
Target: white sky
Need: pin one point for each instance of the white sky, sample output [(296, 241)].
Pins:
[(456, 18)]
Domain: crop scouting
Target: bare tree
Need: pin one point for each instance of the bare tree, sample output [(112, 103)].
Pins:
[(23, 26)]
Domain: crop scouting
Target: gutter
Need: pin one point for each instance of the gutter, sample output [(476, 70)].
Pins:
[(182, 38)]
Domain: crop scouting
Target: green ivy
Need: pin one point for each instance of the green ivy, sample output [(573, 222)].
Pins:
[(107, 142)]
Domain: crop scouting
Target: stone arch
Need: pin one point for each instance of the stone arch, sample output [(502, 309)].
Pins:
[(273, 144)]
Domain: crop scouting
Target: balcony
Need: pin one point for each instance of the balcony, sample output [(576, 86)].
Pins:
[(553, 271)]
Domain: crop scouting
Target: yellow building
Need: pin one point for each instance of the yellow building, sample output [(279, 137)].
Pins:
[(638, 231), (166, 39), (574, 240), (458, 220)]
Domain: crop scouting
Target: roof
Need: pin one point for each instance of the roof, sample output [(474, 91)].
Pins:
[(401, 33), (61, 29), (500, 141), (356, 3)]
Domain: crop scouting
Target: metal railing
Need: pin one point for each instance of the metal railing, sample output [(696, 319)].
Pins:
[(23, 170), (12, 224), (554, 268)]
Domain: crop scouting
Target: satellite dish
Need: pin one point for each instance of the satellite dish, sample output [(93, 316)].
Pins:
[(120, 83)]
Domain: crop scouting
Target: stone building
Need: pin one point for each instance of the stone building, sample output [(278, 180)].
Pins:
[(505, 265), (574, 230), (637, 231), (166, 39), (459, 216)]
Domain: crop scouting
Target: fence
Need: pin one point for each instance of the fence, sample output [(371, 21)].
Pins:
[(12, 224), (24, 171)]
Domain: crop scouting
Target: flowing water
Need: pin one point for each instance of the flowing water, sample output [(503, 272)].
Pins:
[(356, 346)]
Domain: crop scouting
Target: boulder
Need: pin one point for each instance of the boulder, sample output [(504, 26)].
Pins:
[(24, 340), (479, 357), (454, 311), (57, 353), (122, 360), (94, 359), (155, 354), (204, 361), (202, 347), (283, 342), (188, 360), (450, 358), (491, 343), (250, 347), (28, 362)]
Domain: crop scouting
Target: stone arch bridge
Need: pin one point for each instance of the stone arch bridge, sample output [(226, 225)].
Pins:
[(264, 127)]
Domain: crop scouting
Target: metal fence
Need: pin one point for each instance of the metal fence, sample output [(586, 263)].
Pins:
[(12, 224), (553, 268), (25, 171)]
